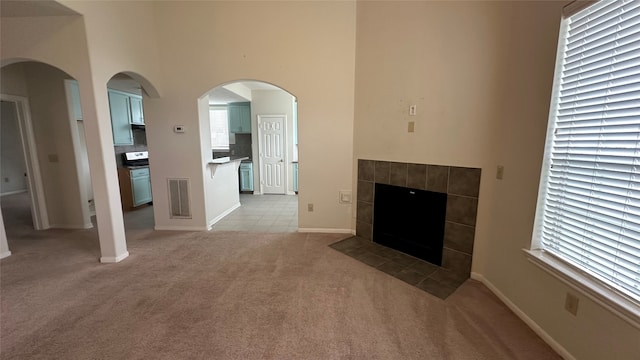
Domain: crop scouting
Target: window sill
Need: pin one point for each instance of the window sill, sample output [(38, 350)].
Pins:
[(621, 306)]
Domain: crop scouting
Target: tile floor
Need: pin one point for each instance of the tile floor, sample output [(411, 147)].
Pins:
[(431, 278), (257, 213), (262, 213)]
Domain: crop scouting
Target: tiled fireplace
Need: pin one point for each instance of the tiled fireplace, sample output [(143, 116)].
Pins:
[(461, 186)]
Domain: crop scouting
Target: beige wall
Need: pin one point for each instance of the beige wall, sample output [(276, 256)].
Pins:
[(272, 102), (480, 74), (13, 81), (307, 48)]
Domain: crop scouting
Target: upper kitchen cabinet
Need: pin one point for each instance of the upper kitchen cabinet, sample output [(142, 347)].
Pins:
[(126, 109), (239, 117), (137, 115), (119, 105), (74, 91)]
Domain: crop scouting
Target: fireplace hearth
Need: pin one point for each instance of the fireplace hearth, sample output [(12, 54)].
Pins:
[(458, 186)]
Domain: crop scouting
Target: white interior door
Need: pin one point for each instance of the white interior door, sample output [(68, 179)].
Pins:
[(271, 135)]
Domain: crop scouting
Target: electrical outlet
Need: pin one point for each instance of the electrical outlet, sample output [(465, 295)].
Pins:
[(412, 126), (310, 207), (344, 197), (571, 303)]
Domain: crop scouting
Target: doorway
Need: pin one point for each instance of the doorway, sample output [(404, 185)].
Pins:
[(21, 183), (128, 124), (256, 121)]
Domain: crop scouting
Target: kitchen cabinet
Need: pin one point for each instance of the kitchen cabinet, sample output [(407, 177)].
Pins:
[(135, 187), (246, 177), (295, 177), (239, 115), (120, 118), (126, 109), (137, 115), (75, 99)]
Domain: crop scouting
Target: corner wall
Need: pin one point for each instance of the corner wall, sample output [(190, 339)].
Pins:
[(480, 74)]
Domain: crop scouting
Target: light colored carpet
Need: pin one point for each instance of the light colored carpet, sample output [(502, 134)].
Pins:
[(236, 295)]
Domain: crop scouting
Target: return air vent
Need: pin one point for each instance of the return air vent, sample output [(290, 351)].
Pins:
[(179, 203)]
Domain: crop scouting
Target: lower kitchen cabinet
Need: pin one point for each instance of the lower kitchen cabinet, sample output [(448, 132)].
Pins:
[(246, 176), (135, 187)]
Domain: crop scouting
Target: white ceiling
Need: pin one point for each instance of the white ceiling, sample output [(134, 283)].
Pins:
[(28, 8), (221, 95)]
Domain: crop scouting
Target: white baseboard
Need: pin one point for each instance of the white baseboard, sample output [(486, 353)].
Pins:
[(221, 216), (13, 192), (291, 192), (5, 254), (71, 227), (114, 259), (180, 228), (527, 320), (325, 230)]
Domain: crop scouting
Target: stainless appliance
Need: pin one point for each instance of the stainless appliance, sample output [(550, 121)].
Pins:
[(135, 158)]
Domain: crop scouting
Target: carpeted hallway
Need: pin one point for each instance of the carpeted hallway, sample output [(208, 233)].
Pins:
[(236, 295)]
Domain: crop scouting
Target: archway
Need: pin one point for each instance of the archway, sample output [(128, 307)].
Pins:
[(125, 91), (256, 121), (39, 99)]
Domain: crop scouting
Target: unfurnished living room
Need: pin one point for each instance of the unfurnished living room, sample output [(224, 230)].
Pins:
[(319, 179)]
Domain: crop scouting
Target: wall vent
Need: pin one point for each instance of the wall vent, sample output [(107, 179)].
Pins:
[(179, 202)]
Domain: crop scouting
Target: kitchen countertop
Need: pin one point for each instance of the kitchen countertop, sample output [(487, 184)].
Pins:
[(135, 166), (225, 160)]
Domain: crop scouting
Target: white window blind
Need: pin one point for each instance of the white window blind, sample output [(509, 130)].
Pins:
[(589, 205), (219, 124)]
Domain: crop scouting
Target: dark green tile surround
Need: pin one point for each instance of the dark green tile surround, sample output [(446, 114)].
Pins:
[(462, 186)]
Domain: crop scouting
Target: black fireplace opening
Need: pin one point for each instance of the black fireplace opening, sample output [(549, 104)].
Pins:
[(410, 220)]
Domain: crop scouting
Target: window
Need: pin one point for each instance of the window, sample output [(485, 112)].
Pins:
[(588, 212), (219, 128)]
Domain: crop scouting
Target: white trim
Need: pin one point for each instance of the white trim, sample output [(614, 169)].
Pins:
[(30, 152), (221, 216), (526, 319), (114, 259), (75, 142), (180, 228), (13, 192), (72, 226), (325, 230), (5, 254), (291, 192), (613, 301)]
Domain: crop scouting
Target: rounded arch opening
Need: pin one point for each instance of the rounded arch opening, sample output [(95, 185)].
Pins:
[(125, 91), (43, 101), (142, 82), (257, 122)]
